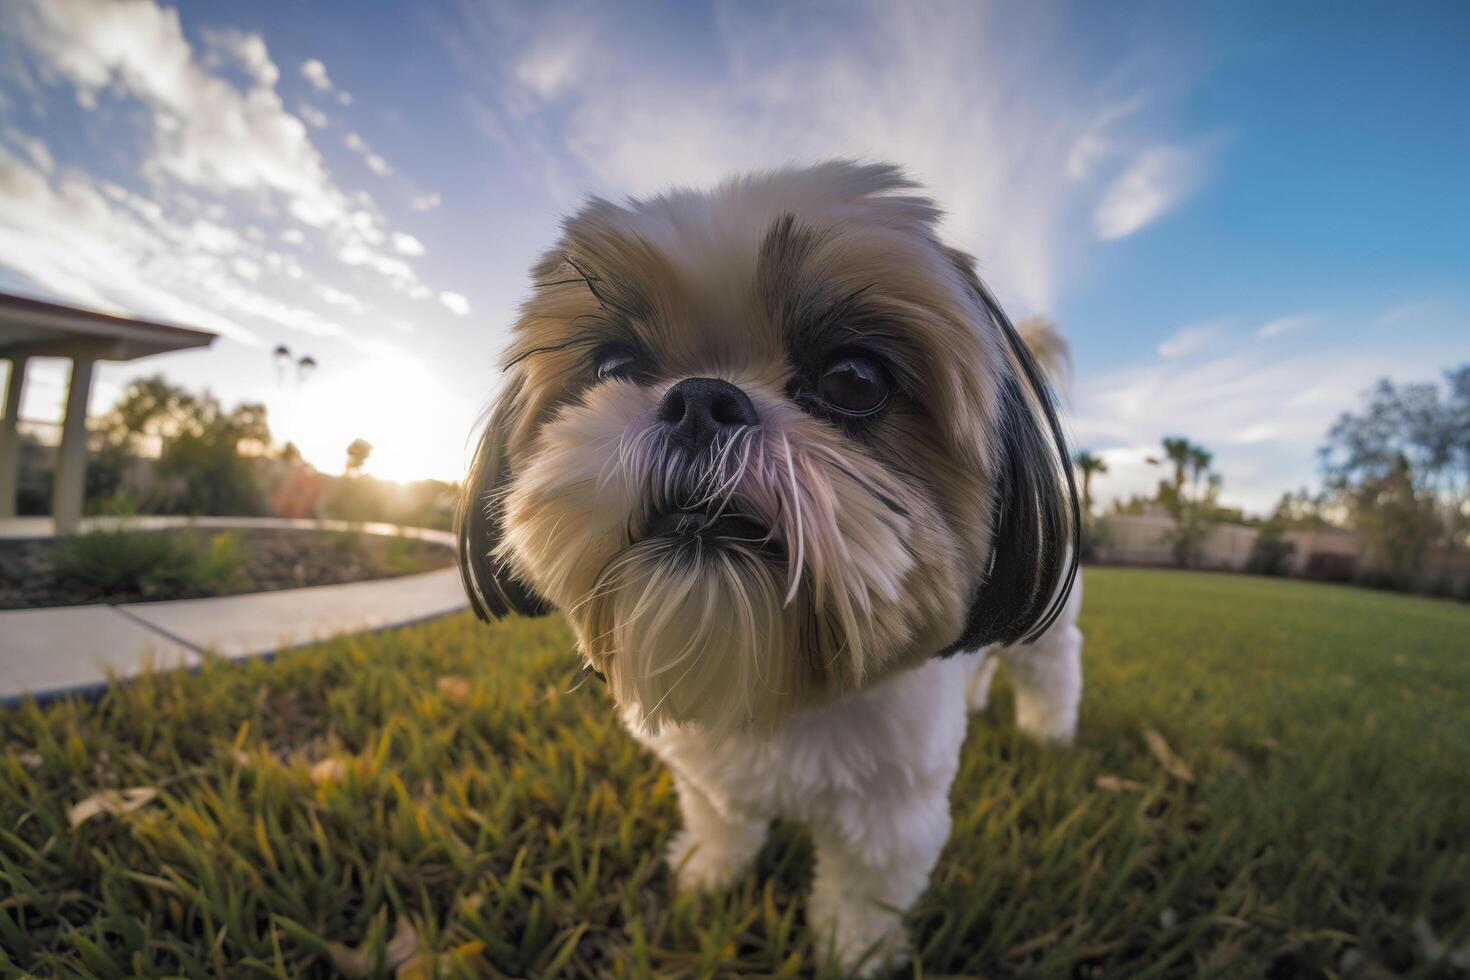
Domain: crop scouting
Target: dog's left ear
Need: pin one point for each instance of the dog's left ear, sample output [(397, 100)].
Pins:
[(494, 589), (1037, 524)]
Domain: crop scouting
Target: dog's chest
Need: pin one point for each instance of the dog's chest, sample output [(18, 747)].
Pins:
[(882, 742)]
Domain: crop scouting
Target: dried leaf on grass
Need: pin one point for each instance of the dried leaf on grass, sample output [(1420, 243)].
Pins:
[(454, 688), (328, 770), (1117, 784), (1172, 764), (112, 801), (463, 959), (357, 962)]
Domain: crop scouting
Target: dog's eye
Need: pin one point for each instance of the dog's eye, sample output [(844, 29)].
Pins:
[(854, 385), (616, 362)]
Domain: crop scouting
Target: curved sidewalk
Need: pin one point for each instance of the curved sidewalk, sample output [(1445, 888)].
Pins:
[(66, 648)]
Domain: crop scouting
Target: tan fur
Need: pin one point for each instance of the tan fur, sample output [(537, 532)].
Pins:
[(886, 534), (1049, 347)]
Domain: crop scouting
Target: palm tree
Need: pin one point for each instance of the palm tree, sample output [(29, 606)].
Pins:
[(1177, 449), (1089, 464), (1200, 459)]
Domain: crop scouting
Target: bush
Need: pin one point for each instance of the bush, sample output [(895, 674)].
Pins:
[(1271, 553), (152, 564), (1097, 534)]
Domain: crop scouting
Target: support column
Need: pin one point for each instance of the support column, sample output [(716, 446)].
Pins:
[(71, 459), (10, 438)]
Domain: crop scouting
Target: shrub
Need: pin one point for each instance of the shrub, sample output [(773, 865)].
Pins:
[(225, 558), (1271, 553), (399, 556), (1097, 534), (151, 564)]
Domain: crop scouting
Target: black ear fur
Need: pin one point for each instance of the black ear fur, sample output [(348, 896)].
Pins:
[(494, 589), (1036, 537)]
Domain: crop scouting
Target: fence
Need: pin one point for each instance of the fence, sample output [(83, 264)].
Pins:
[(1327, 553)]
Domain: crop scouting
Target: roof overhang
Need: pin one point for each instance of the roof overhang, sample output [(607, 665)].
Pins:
[(35, 328)]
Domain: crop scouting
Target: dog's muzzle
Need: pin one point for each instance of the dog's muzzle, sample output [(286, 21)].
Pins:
[(714, 527)]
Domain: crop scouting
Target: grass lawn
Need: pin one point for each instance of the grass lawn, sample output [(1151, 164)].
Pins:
[(444, 783)]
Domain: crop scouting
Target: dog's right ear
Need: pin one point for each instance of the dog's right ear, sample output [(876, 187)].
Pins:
[(492, 585)]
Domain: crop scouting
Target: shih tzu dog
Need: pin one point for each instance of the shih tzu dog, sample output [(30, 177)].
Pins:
[(779, 457)]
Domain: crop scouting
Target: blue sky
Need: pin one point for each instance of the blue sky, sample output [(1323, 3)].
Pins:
[(1241, 214)]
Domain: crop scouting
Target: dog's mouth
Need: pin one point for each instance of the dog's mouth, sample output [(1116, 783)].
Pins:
[(714, 527)]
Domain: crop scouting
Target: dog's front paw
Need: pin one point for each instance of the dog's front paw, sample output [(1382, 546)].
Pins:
[(859, 942), (705, 865), (1051, 724)]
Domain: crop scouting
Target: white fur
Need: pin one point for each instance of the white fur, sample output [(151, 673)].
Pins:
[(1046, 676), (869, 775)]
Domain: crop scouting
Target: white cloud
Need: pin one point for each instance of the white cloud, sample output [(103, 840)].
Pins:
[(339, 298), (316, 73), (33, 147), (1285, 325), (425, 202), (455, 303), (1189, 340), (407, 244), (396, 270), (213, 144), (314, 117), (249, 51), (375, 163), (94, 249), (1408, 311), (933, 90), (207, 132), (1155, 182), (1097, 144), (555, 61)]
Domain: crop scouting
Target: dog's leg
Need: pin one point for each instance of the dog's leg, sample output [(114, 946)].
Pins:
[(870, 871), (713, 849), (1047, 677)]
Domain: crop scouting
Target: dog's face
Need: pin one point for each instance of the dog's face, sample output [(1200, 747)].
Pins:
[(765, 445)]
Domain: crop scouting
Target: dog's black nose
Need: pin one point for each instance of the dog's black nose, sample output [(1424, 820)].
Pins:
[(699, 408)]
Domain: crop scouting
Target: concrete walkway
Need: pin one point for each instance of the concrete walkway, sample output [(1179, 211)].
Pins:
[(50, 651)]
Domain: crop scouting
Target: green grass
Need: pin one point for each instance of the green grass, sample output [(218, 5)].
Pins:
[(518, 829)]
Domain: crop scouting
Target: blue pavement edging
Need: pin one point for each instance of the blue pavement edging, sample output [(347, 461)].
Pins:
[(94, 690)]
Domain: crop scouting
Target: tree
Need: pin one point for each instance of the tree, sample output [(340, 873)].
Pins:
[(358, 452), (1271, 553), (1199, 459), (1400, 468), (198, 445), (1195, 509), (1177, 451), (1089, 464), (151, 410)]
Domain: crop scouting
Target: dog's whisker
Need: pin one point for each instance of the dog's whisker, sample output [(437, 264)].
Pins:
[(800, 536)]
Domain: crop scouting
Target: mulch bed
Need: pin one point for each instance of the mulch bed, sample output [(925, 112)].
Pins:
[(273, 559)]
